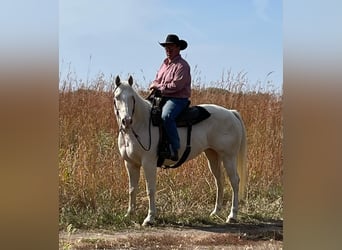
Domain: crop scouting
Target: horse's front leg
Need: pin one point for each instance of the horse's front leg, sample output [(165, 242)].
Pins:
[(150, 171), (133, 171)]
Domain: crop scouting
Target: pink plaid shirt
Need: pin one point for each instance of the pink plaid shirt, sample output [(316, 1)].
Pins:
[(173, 79)]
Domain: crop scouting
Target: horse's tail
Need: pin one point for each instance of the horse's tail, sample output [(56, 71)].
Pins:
[(242, 159)]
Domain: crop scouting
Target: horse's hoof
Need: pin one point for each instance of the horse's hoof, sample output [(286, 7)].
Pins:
[(231, 220), (149, 221), (147, 224), (214, 213)]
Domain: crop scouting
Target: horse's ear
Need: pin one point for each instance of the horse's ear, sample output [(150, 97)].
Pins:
[(117, 81), (130, 80)]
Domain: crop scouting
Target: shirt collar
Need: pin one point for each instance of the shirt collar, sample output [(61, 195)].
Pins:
[(166, 61)]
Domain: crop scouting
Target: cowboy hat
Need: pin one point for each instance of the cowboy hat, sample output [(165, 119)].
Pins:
[(173, 39)]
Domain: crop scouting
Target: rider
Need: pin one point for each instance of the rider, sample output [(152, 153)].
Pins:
[(174, 82)]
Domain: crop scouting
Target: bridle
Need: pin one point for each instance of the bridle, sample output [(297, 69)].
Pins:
[(118, 114), (122, 129)]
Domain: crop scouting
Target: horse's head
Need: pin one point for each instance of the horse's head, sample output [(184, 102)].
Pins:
[(124, 102)]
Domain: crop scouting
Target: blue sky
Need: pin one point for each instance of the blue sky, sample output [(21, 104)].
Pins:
[(121, 37)]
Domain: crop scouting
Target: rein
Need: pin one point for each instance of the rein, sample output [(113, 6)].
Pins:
[(122, 130), (149, 134)]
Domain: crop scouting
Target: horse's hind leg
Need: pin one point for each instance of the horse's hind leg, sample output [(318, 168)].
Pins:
[(133, 175), (214, 163), (229, 164)]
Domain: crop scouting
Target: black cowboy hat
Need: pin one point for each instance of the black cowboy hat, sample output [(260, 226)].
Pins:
[(173, 39)]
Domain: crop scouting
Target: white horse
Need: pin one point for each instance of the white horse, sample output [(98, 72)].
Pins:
[(222, 137)]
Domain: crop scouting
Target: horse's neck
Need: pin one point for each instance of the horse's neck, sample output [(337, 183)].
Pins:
[(142, 109)]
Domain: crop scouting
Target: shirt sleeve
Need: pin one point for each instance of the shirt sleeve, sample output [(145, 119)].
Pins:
[(157, 82)]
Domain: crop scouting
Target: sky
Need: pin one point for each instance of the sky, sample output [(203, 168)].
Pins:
[(122, 38)]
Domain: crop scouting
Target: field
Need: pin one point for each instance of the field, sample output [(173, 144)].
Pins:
[(93, 189)]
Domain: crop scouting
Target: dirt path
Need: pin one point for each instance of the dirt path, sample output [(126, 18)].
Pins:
[(234, 236)]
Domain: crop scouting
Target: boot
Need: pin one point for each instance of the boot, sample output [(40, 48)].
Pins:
[(173, 154)]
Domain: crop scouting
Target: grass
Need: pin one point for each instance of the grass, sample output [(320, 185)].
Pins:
[(93, 186)]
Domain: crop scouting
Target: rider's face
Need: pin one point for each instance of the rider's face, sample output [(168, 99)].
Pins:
[(171, 50)]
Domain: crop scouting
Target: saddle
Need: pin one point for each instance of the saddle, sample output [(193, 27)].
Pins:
[(189, 116)]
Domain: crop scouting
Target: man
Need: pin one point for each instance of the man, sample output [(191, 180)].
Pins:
[(174, 81)]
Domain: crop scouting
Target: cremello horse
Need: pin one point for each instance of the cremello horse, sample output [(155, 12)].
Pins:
[(222, 137)]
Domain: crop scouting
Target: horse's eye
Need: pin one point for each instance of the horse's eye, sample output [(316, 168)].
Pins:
[(117, 97)]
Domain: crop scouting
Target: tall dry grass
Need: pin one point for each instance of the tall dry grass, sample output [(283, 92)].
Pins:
[(93, 186)]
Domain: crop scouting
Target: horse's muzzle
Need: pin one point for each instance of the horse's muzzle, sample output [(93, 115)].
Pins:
[(126, 122)]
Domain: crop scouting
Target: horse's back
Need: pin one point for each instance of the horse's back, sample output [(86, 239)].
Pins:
[(220, 113), (223, 128)]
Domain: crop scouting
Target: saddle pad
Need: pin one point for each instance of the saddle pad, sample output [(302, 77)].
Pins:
[(192, 115)]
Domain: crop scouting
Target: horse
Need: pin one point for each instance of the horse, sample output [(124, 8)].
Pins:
[(222, 138)]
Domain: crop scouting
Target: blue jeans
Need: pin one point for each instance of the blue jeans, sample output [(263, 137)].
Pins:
[(171, 109)]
